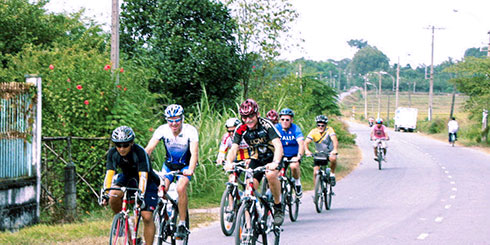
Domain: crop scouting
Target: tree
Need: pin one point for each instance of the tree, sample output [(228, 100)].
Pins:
[(368, 59), (475, 52), (260, 25), (473, 79), (189, 43), (357, 43)]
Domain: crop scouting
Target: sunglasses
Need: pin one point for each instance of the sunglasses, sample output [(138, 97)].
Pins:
[(122, 145), (320, 125), (174, 121), (285, 119), (244, 117), (231, 131)]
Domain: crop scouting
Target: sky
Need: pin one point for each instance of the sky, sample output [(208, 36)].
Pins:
[(397, 28)]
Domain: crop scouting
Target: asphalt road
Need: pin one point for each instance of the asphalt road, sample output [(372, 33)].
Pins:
[(427, 193)]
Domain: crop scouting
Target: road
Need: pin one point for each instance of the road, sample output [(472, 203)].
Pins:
[(427, 193)]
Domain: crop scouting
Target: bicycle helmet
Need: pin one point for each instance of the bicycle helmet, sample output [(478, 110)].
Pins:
[(122, 134), (272, 115), (174, 110), (321, 119), (232, 122), (286, 111), (249, 107), (379, 121)]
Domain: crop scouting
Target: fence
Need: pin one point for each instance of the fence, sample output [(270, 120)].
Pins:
[(20, 133)]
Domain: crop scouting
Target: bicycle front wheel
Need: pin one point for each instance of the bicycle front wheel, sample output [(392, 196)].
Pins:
[(119, 230), (161, 222), (293, 203), (318, 198), (245, 226), (380, 158), (328, 195), (227, 213), (274, 236)]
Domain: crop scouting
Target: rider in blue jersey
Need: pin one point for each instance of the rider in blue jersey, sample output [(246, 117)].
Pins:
[(181, 146), (292, 143)]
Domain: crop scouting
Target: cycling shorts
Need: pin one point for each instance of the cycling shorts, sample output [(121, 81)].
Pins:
[(254, 163), (286, 164), (173, 167), (151, 194)]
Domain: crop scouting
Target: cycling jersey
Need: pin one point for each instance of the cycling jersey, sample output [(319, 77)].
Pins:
[(259, 139), (134, 166), (379, 133), (177, 148), (453, 126), (289, 139), (323, 142), (227, 141)]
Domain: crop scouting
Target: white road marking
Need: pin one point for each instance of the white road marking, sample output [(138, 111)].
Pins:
[(422, 236), (446, 172), (449, 176), (443, 167), (452, 183), (447, 206), (439, 219), (452, 196), (454, 189)]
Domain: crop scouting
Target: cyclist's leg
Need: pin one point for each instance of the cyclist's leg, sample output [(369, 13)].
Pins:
[(333, 162), (274, 185), (385, 147), (151, 200), (182, 184), (115, 196)]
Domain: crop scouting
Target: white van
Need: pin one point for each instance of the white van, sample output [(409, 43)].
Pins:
[(406, 119)]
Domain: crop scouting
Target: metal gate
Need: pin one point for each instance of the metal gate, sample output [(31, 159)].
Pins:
[(20, 153)]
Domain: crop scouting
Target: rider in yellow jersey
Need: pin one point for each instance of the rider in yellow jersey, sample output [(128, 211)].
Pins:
[(325, 141)]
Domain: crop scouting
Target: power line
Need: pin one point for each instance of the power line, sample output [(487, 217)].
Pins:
[(431, 84)]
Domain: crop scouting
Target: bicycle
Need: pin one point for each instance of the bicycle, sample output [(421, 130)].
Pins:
[(452, 138), (323, 183), (231, 195), (124, 230), (381, 153), (166, 214), (288, 198), (255, 215)]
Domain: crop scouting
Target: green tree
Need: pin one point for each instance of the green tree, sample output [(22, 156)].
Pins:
[(260, 26), (473, 79), (357, 43), (475, 52), (368, 59), (189, 44)]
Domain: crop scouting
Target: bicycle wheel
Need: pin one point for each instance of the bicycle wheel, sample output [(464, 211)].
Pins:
[(161, 222), (245, 226), (175, 219), (293, 203), (274, 235), (119, 230), (318, 198), (227, 214), (380, 157), (328, 195)]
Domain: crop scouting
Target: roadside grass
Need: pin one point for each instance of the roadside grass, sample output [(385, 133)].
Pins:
[(93, 228)]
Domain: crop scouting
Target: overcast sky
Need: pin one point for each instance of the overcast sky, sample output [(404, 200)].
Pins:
[(397, 28)]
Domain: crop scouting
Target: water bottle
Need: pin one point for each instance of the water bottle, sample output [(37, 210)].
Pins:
[(169, 209), (172, 192), (268, 193), (260, 210)]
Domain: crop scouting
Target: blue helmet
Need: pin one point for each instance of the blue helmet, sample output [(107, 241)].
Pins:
[(174, 110), (122, 134), (286, 111), (379, 121)]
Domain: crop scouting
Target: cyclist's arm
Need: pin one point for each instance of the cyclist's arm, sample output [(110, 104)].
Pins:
[(108, 178), (301, 148), (152, 144), (232, 153), (307, 142), (143, 180), (335, 144), (278, 151), (194, 147)]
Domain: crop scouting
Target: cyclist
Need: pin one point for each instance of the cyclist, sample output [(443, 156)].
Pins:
[(292, 144), (136, 171), (379, 132), (273, 116), (453, 128), (325, 141), (181, 146), (371, 121), (266, 150), (226, 142)]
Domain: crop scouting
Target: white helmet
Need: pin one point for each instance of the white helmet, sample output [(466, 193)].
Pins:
[(232, 122)]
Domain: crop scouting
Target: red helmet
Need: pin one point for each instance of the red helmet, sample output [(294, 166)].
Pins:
[(272, 115), (249, 107)]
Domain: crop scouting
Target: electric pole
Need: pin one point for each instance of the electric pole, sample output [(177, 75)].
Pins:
[(431, 84), (115, 39), (397, 83)]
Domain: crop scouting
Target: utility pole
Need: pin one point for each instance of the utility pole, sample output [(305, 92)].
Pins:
[(379, 95), (365, 98), (115, 39), (431, 84), (397, 83)]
